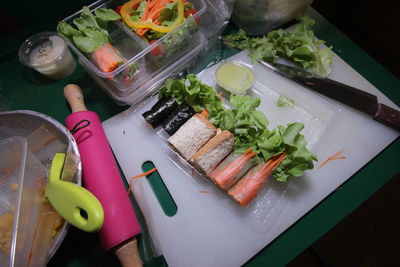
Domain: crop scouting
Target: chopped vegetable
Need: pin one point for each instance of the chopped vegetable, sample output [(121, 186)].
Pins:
[(284, 102), (152, 14), (299, 46), (334, 157), (251, 184), (152, 19), (158, 51), (190, 12), (138, 176), (204, 113)]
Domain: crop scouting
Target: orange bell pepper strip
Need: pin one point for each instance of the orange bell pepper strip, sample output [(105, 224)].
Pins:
[(126, 12)]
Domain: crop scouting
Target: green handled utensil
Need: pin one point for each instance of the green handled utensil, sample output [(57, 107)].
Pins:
[(74, 203)]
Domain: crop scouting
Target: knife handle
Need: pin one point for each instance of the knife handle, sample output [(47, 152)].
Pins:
[(388, 116)]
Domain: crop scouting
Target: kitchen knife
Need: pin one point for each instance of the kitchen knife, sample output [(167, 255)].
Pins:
[(343, 93)]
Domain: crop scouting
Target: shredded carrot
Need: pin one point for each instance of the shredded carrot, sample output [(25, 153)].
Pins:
[(141, 32), (204, 113), (333, 157), (145, 11), (138, 176), (155, 9), (248, 150), (4, 173), (152, 12)]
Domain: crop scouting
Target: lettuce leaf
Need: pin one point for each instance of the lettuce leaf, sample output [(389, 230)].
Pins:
[(299, 46), (169, 14), (90, 32), (196, 94), (244, 121), (298, 158), (284, 102), (137, 14)]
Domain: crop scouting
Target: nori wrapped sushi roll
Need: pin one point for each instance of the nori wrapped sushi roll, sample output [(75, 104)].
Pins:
[(159, 112), (177, 118)]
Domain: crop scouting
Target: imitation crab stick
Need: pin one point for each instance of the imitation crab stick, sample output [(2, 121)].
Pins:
[(251, 184), (232, 168)]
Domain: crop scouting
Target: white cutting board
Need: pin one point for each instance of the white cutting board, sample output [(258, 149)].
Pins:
[(210, 229)]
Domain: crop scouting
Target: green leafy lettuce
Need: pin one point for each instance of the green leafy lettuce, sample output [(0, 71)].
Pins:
[(249, 127), (169, 14), (284, 102), (90, 32), (137, 14), (243, 121), (298, 158), (299, 46), (194, 93)]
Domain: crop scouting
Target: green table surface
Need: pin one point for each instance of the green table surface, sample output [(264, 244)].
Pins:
[(21, 88)]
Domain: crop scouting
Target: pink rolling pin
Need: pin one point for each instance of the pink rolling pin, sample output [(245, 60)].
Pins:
[(101, 177)]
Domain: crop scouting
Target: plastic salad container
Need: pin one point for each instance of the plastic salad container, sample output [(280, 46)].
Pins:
[(144, 68), (21, 187)]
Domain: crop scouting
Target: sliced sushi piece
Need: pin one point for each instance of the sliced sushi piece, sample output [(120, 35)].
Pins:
[(192, 135), (248, 187), (229, 171), (213, 152), (159, 112), (177, 118)]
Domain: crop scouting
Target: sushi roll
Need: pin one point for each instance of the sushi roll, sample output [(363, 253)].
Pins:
[(229, 171), (213, 152), (177, 118), (192, 135), (159, 112)]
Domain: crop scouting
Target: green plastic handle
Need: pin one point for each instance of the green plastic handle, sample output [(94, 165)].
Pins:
[(74, 203)]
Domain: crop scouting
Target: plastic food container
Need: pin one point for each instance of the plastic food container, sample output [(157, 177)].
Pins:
[(180, 46), (48, 54), (234, 77), (21, 186)]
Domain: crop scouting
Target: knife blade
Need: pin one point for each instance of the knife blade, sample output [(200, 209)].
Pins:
[(353, 97)]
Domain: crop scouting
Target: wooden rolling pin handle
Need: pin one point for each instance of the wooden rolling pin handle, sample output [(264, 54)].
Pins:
[(128, 254), (74, 96)]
